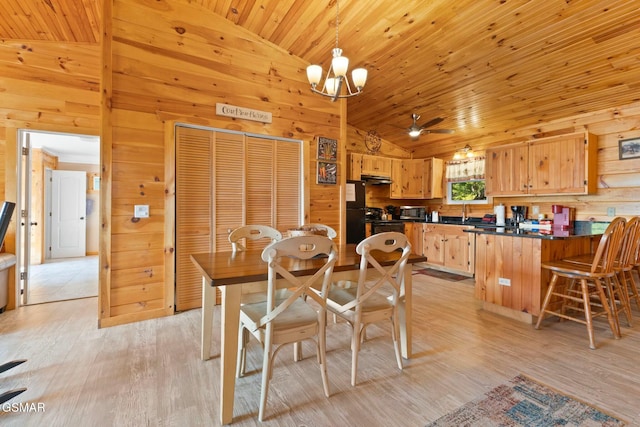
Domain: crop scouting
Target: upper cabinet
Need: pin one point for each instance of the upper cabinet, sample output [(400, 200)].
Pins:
[(355, 166), (366, 164), (558, 165), (410, 178), (376, 165), (417, 179)]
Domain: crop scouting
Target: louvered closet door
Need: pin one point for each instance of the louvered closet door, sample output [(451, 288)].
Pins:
[(193, 211), (223, 181), (260, 185), (229, 185), (288, 190)]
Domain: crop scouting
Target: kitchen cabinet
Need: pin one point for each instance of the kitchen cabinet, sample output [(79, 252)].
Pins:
[(413, 231), (563, 164), (418, 178), (395, 189), (509, 278), (355, 166), (449, 246), (376, 165), (366, 164)]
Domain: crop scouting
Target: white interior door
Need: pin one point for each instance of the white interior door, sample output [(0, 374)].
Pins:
[(68, 213)]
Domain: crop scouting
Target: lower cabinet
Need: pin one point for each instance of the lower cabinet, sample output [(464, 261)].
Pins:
[(414, 231), (508, 269), (449, 246)]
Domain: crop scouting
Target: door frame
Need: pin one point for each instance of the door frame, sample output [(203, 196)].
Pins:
[(21, 134)]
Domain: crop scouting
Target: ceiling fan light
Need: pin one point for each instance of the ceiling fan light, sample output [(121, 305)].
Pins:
[(314, 74), (340, 65), (359, 76), (414, 133)]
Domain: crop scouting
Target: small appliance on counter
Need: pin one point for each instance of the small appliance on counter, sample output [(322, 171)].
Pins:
[(562, 217), (413, 213), (390, 211), (518, 214)]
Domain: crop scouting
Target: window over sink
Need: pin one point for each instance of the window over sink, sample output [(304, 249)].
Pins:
[(466, 181)]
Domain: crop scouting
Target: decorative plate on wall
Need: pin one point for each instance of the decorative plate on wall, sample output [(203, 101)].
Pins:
[(372, 141)]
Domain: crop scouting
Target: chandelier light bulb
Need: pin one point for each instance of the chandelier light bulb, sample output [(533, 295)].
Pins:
[(314, 74)]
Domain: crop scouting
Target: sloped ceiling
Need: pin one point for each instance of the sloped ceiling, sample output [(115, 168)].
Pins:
[(487, 67)]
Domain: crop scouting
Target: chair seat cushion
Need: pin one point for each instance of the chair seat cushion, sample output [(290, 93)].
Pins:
[(296, 315), (339, 296)]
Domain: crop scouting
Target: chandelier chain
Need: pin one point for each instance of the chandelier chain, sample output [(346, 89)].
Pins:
[(337, 20)]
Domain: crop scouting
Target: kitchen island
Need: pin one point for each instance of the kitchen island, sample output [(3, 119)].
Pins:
[(508, 273)]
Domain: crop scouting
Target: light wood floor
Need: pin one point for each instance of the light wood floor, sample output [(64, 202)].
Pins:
[(62, 279), (149, 373)]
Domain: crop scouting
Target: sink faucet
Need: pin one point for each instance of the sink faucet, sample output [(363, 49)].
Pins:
[(464, 212)]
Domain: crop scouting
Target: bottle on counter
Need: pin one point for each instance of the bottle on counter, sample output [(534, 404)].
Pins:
[(434, 216)]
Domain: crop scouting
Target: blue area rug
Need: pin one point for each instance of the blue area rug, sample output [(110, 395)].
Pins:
[(524, 402)]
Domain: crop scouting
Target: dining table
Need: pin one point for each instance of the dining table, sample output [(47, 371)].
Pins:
[(235, 273)]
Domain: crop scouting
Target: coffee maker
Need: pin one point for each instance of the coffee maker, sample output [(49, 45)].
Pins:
[(518, 214)]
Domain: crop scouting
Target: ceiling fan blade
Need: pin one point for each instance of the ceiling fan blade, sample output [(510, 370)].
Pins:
[(438, 131), (432, 122)]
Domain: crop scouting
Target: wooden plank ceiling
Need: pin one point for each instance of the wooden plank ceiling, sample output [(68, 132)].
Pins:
[(488, 67)]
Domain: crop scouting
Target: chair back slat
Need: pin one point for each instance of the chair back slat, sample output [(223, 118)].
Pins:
[(385, 242), (300, 248), (241, 235), (630, 244), (609, 247)]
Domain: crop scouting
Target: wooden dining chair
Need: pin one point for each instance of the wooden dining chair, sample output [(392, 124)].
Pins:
[(578, 291), (626, 272), (247, 233), (363, 302), (237, 237), (278, 321)]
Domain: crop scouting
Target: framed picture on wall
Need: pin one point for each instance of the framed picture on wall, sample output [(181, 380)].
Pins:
[(629, 148), (327, 149), (327, 173)]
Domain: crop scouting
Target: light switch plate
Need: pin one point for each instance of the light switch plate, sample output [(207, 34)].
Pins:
[(141, 211), (611, 211)]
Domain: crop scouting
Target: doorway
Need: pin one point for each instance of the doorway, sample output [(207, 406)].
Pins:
[(57, 240)]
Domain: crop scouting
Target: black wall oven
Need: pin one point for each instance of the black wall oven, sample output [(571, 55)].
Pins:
[(385, 226)]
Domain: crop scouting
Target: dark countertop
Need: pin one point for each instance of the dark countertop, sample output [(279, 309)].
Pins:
[(580, 229)]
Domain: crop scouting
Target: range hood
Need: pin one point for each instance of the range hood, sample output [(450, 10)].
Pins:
[(375, 180)]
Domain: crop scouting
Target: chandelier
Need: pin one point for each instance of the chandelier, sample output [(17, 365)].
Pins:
[(333, 83)]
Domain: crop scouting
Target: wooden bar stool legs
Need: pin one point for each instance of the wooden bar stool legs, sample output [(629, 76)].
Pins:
[(599, 291)]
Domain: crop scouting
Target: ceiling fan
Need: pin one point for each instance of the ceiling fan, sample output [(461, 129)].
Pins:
[(415, 130)]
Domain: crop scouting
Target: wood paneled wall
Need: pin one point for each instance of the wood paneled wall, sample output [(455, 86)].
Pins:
[(174, 66), (44, 86)]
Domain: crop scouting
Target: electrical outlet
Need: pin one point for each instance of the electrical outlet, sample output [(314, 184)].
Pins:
[(504, 281), (611, 211), (535, 210)]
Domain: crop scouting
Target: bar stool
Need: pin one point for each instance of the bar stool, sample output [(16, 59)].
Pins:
[(590, 297), (618, 289), (634, 264)]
